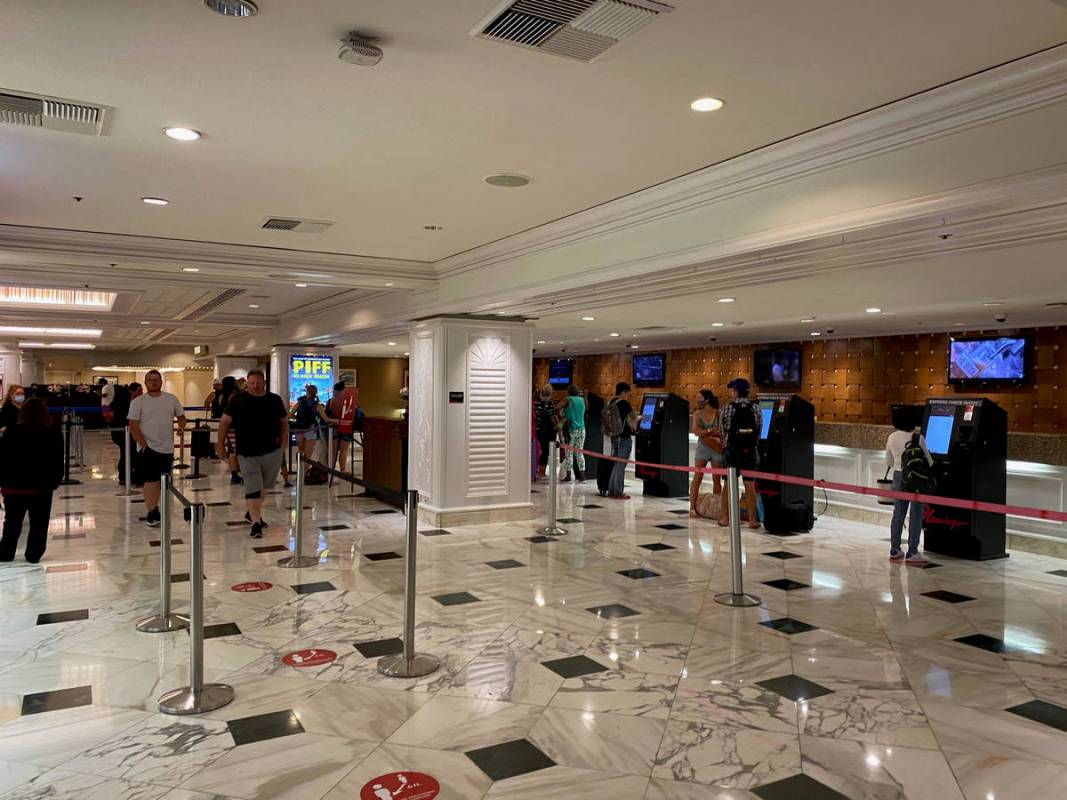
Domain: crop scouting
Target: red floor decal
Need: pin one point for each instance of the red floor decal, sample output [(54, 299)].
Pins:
[(309, 658), (252, 586), (401, 786)]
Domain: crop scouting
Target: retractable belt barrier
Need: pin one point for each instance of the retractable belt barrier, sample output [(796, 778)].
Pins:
[(818, 483), (393, 497)]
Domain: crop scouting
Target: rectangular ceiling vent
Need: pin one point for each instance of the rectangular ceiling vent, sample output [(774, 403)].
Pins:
[(51, 113), (296, 225), (578, 29), (219, 300)]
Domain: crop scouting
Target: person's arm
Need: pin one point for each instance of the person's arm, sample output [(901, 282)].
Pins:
[(136, 435), (283, 425), (181, 423), (922, 443), (56, 461), (324, 414), (225, 421)]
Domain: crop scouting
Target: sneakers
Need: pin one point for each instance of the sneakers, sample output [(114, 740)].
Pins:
[(153, 518), (916, 559), (235, 479), (248, 518), (619, 496), (257, 530), (896, 555)]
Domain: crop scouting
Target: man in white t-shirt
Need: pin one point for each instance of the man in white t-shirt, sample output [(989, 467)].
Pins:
[(894, 448), (107, 392), (151, 419)]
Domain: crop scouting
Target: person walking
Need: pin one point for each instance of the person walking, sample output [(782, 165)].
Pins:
[(9, 411), (310, 419), (740, 422), (705, 427), (261, 422), (151, 419), (229, 444), (209, 400), (31, 467), (622, 439), (545, 416), (572, 410), (906, 445)]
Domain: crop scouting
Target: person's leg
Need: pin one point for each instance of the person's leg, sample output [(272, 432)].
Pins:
[(151, 493), (542, 465), (915, 527), (694, 486), (578, 441), (616, 467), (568, 461), (900, 508), (750, 503), (342, 456), (252, 473), (40, 509), (618, 475), (14, 512), (724, 511), (716, 486)]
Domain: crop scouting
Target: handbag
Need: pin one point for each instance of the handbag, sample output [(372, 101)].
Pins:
[(885, 482)]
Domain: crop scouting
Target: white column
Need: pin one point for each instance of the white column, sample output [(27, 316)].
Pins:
[(234, 366), (469, 420)]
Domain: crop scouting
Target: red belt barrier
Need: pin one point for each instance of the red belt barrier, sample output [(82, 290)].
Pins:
[(949, 502)]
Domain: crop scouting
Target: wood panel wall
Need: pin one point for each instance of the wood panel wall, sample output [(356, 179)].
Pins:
[(855, 380)]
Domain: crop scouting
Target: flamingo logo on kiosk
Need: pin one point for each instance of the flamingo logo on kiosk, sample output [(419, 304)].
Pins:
[(309, 368)]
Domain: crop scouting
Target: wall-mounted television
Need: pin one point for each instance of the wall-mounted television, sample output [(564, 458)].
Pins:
[(649, 369), (561, 372), (987, 359), (777, 367)]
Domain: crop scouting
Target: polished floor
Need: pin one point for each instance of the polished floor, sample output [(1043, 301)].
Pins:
[(595, 665)]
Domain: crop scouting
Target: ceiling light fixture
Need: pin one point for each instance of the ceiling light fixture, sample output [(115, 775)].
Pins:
[(816, 333), (541, 341), (182, 134), (155, 201), (391, 344), (718, 324), (145, 322), (501, 313), (507, 180), (873, 310), (30, 297), (390, 284), (588, 319), (24, 330), (407, 354), (808, 319), (727, 299), (300, 285), (233, 8), (614, 335), (706, 104), (190, 269), (60, 345), (993, 303), (253, 305)]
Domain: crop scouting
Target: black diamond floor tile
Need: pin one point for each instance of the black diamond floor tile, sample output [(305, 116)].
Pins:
[(794, 687), (678, 511), (313, 587), (72, 497), (507, 563), (571, 520), (221, 629), (436, 532), (539, 539), (157, 542), (456, 598), (1046, 713), (1062, 573), (217, 503), (948, 597), (270, 548), (637, 574), (264, 726), (782, 554), (574, 666), (201, 489), (62, 616), (333, 527), (237, 523), (983, 642), (788, 625), (786, 584), (799, 787), (613, 611), (591, 505), (179, 577), (782, 534), (71, 536), (136, 499), (379, 648), (510, 759), (57, 700), (672, 526), (388, 555), (657, 546), (385, 511)]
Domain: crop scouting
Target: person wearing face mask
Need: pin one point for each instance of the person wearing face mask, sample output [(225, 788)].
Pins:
[(9, 412)]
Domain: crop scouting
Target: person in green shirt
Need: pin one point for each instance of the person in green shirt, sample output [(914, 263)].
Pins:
[(572, 409)]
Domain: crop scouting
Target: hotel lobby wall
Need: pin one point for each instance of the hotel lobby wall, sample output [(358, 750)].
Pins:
[(855, 379)]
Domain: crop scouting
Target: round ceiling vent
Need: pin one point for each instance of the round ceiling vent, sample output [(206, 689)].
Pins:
[(507, 180), (233, 8), (359, 49)]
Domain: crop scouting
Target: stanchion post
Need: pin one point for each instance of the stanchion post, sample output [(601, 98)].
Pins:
[(181, 450), (552, 529), (409, 664), (329, 448), (198, 697), (290, 469), (298, 559), (195, 474), (737, 597), (164, 621), (67, 480)]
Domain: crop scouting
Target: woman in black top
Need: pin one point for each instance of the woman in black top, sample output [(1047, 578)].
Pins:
[(545, 422), (31, 467)]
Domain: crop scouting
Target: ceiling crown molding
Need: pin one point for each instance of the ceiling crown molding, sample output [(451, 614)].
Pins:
[(1009, 90)]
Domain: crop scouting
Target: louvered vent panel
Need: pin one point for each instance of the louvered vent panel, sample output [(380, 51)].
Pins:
[(614, 19), (213, 304), (50, 113), (580, 45), (487, 417), (561, 11), (521, 28), (71, 112), (280, 224)]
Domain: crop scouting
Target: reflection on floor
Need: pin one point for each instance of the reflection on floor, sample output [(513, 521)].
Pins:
[(595, 665)]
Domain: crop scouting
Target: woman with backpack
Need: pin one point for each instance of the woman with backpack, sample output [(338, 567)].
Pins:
[(705, 426), (910, 462), (546, 426), (740, 435)]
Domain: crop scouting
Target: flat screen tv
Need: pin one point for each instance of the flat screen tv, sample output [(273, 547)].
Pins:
[(560, 372), (649, 369), (987, 359), (777, 367)]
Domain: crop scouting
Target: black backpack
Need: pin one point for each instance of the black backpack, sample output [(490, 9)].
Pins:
[(916, 472), (743, 433), (305, 413)]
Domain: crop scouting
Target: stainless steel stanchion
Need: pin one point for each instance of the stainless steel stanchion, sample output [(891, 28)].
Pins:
[(409, 664), (164, 621), (737, 597), (181, 450), (198, 697), (297, 559), (127, 459), (331, 459), (552, 529), (196, 474), (67, 480)]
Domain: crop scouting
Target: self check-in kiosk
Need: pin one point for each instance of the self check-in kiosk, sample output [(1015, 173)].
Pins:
[(968, 439), (663, 438), (594, 431), (786, 447)]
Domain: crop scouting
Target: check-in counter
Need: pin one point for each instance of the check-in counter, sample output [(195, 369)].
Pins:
[(385, 452)]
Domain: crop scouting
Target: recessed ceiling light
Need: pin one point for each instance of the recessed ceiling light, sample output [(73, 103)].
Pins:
[(501, 313), (816, 333), (718, 324), (407, 354), (507, 180), (390, 284), (25, 330), (588, 319), (233, 8), (300, 285), (190, 269), (541, 341), (614, 335), (253, 305), (808, 319), (182, 134), (993, 304), (60, 345), (635, 346), (391, 344), (145, 322), (889, 313), (727, 299), (154, 201), (959, 324), (596, 340), (873, 310), (706, 104)]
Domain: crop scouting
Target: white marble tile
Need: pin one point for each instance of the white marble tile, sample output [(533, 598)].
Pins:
[(63, 785), (607, 742), (619, 692), (878, 717), (715, 755), (457, 774), (568, 782), (466, 723), (659, 789), (863, 770), (982, 776), (732, 704), (13, 774), (357, 712)]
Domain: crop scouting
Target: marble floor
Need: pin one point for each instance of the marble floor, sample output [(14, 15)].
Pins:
[(595, 665)]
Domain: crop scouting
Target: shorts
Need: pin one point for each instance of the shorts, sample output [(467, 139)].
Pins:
[(309, 435), (708, 454), (231, 443), (150, 465), (260, 472)]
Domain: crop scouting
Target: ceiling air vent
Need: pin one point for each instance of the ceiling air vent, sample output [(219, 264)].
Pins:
[(51, 113), (578, 29), (296, 225), (216, 302)]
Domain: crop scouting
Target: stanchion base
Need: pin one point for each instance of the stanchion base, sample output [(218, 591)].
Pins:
[(194, 476), (552, 531), (181, 466), (295, 562), (130, 493), (69, 482), (396, 666), (161, 624), (185, 701), (737, 600)]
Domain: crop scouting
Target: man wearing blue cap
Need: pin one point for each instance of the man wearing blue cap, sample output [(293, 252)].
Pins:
[(740, 435)]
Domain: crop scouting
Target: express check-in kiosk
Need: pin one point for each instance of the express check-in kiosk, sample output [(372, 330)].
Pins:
[(594, 430), (786, 447), (968, 439), (662, 437)]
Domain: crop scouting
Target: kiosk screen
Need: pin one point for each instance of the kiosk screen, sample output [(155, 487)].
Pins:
[(648, 411), (939, 431), (766, 410)]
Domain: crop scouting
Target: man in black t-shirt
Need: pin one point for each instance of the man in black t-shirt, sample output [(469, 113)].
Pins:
[(261, 423), (622, 445)]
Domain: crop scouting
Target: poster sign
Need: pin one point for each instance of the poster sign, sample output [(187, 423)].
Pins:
[(314, 657), (401, 786), (349, 403), (305, 369)]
